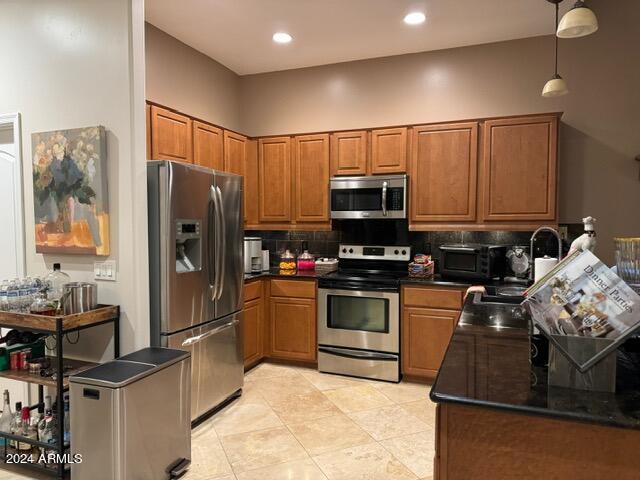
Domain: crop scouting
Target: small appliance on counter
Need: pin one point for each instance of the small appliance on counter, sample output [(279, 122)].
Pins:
[(252, 254), (518, 263), (130, 417), (473, 261), (265, 260)]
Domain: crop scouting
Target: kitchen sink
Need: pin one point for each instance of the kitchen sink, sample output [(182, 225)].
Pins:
[(501, 295)]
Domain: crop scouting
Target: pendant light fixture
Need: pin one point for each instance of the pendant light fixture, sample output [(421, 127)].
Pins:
[(577, 22), (556, 86)]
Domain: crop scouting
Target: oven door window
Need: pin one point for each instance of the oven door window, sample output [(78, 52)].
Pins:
[(356, 200), (358, 313), (460, 262)]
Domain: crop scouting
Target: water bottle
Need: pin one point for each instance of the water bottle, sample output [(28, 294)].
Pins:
[(24, 295), (12, 295), (3, 296)]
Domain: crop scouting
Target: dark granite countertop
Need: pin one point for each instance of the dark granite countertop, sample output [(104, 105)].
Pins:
[(275, 273), (487, 364)]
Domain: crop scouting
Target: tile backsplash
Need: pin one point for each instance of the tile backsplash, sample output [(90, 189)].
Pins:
[(394, 232)]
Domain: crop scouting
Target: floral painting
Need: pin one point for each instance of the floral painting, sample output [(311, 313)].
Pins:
[(70, 191)]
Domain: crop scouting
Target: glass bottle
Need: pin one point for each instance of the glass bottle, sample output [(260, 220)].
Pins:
[(27, 431), (55, 281), (5, 418), (12, 295), (67, 421), (16, 424), (46, 425), (4, 286)]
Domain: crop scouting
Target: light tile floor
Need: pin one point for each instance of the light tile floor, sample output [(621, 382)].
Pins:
[(294, 423)]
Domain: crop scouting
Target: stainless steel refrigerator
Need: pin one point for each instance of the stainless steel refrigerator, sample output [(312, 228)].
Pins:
[(196, 274)]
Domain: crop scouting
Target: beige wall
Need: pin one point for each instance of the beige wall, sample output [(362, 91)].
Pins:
[(600, 131), (69, 64), (183, 78)]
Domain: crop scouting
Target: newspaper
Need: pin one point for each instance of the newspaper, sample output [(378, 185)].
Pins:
[(582, 297)]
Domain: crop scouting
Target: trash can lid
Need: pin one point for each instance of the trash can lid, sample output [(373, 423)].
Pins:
[(113, 374), (130, 368), (155, 356)]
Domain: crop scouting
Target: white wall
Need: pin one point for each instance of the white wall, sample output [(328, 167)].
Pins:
[(182, 78), (79, 63)]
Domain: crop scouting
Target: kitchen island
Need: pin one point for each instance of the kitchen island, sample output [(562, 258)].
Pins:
[(497, 418)]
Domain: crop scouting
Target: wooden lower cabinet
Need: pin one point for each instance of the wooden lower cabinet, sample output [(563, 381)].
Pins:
[(252, 331), (429, 317), (293, 328), (426, 335), (253, 323)]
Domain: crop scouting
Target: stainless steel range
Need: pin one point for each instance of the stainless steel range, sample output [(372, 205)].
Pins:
[(359, 312)]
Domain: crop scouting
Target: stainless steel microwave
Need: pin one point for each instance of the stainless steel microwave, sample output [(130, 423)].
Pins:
[(380, 196)]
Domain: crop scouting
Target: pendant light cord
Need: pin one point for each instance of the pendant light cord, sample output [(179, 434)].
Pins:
[(556, 37)]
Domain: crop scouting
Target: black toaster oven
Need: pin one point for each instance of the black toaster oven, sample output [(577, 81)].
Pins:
[(473, 261)]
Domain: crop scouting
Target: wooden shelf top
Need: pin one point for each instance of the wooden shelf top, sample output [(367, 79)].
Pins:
[(75, 366), (47, 324)]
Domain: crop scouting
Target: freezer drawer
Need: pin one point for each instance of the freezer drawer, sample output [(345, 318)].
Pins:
[(217, 357)]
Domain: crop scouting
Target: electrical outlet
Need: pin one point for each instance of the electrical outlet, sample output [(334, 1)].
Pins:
[(105, 270), (563, 230)]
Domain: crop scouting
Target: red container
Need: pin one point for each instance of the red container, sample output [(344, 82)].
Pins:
[(24, 359), (14, 360)]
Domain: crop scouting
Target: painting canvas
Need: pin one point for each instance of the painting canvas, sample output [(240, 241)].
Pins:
[(70, 191)]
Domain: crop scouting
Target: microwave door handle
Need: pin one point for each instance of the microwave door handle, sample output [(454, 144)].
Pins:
[(222, 243), (384, 198)]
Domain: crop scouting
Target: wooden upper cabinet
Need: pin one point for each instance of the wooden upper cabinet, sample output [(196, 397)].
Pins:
[(207, 145), (389, 150), (349, 153), (171, 135), (443, 173), (235, 152), (519, 169), (274, 179), (311, 178), (251, 187)]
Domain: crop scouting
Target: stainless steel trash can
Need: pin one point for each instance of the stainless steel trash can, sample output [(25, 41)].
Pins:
[(131, 418)]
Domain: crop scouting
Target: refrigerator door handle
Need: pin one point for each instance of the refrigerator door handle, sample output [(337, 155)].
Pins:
[(223, 244), (212, 252), (191, 340)]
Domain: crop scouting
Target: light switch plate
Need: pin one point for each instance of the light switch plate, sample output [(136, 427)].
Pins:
[(105, 270), (563, 230)]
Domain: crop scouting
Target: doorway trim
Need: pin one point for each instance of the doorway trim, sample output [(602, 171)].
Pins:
[(13, 120)]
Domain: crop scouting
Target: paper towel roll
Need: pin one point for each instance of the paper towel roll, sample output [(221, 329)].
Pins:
[(542, 266), (265, 260)]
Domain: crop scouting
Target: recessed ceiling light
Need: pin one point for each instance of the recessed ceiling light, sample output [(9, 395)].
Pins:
[(282, 37), (414, 18)]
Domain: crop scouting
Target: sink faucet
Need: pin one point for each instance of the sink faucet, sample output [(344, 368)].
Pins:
[(533, 238)]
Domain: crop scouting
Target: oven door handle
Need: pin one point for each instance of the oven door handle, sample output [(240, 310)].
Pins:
[(347, 353), (357, 287)]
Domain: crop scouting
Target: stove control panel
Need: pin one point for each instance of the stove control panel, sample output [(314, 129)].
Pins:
[(375, 252)]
